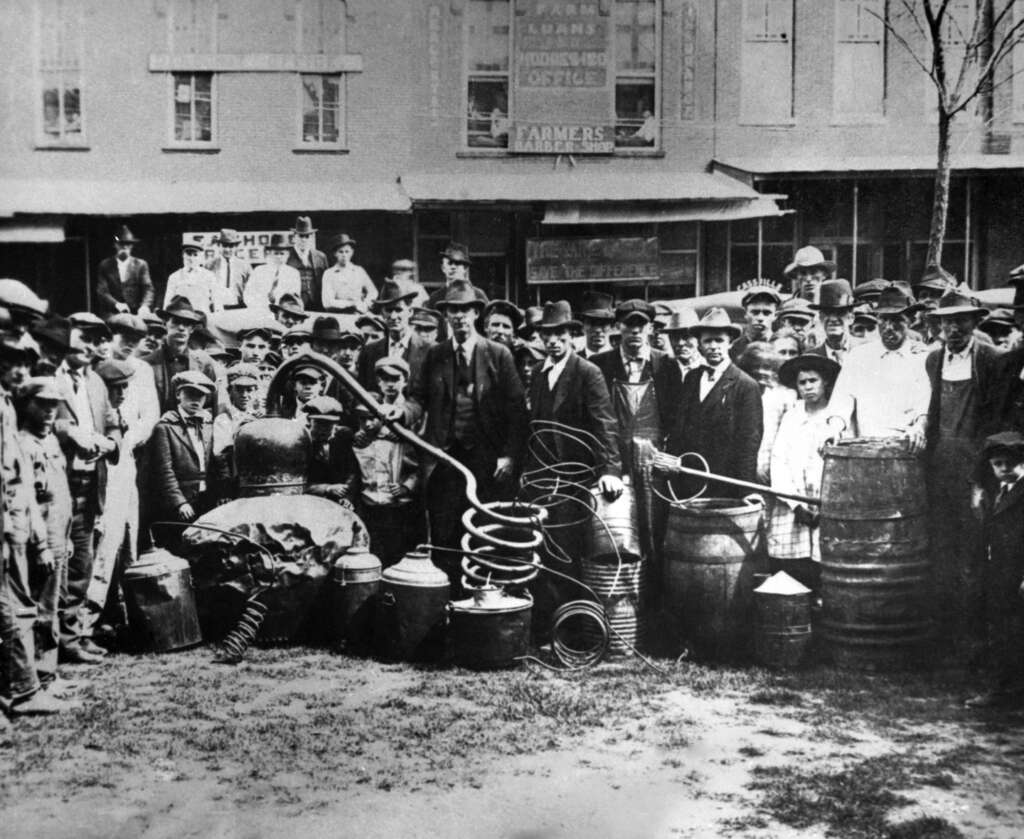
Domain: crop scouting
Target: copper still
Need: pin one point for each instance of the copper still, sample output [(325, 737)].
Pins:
[(160, 602)]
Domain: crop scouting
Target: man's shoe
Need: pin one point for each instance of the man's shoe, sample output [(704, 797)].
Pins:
[(91, 646), (42, 703), (78, 655)]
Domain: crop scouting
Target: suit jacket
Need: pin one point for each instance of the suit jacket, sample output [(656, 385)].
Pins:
[(318, 260), (415, 354), (1008, 392), (665, 374), (725, 428), (985, 360), (238, 276), (136, 291), (580, 400), (175, 472), (197, 360), (822, 350), (1005, 537), (497, 394), (103, 421)]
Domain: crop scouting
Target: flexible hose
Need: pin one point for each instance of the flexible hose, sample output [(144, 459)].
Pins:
[(237, 641)]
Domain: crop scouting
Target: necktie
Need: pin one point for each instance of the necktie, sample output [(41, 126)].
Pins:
[(1004, 490), (121, 424), (463, 376)]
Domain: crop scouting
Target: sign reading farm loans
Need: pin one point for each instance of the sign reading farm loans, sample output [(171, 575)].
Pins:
[(565, 91), (621, 260)]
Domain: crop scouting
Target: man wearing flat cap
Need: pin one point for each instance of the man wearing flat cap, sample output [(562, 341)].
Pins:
[(643, 382), (760, 301), (123, 283), (347, 287), (193, 281), (400, 340), (309, 262), (231, 273)]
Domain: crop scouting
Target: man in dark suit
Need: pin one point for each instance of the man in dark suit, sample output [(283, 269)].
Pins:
[(308, 261), (719, 414), (89, 436), (394, 305), (174, 356), (475, 411), (122, 280), (835, 312), (643, 382)]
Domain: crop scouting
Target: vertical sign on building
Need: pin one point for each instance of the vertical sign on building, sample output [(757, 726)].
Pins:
[(564, 84)]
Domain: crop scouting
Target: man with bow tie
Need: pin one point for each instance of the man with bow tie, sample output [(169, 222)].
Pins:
[(123, 283)]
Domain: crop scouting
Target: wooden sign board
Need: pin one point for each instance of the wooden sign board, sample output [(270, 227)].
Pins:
[(624, 260)]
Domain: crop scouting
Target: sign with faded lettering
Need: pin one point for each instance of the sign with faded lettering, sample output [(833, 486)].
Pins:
[(564, 79), (252, 248), (626, 259)]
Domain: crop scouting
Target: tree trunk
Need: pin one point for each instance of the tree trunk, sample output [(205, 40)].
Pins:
[(940, 200)]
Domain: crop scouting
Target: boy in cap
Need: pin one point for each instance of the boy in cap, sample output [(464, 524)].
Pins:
[(761, 300), (333, 472), (289, 311), (194, 282), (155, 331), (243, 395), (307, 383), (1004, 571), (371, 327), (426, 323)]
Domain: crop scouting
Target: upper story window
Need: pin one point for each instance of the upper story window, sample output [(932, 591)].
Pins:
[(321, 31), (859, 70), (193, 97), (59, 27), (636, 65), (321, 109), (766, 62), (488, 50)]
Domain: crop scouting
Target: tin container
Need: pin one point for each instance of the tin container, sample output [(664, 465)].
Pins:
[(490, 629), (412, 609), (355, 584), (161, 603)]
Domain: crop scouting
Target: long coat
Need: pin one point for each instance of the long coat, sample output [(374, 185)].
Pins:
[(580, 400), (725, 429), (136, 290)]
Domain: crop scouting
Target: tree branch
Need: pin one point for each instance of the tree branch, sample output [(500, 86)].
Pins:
[(891, 29)]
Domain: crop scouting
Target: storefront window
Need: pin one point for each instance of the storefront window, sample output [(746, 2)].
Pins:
[(321, 109), (760, 248), (60, 71), (488, 50), (193, 107), (636, 55)]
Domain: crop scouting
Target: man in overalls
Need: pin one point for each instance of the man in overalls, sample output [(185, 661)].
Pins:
[(959, 418)]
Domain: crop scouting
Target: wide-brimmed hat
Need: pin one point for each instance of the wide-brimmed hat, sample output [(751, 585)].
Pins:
[(556, 315), (1009, 441), (392, 291), (796, 307), (124, 323), (834, 294), (791, 368), (998, 320), (56, 330), (15, 296), (124, 236), (893, 300), (809, 257), (506, 308), (44, 388), (597, 305), (633, 309), (460, 293), (425, 317), (278, 242), (956, 302), (392, 365), (193, 379), (936, 277), (341, 240), (760, 288), (88, 322), (115, 372), (228, 237), (457, 253), (716, 319), (681, 320), (304, 224), (290, 304), (181, 307)]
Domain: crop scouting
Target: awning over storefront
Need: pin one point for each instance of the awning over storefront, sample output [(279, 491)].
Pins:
[(49, 229), (84, 197), (683, 210), (816, 164)]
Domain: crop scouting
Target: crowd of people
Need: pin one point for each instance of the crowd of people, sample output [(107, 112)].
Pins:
[(113, 420)]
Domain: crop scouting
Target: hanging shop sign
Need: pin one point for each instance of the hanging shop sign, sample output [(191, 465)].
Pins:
[(623, 260), (564, 84), (252, 248)]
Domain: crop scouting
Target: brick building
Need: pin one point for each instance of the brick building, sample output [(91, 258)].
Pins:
[(659, 147)]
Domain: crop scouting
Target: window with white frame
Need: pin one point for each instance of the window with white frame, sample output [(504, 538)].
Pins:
[(59, 56), (193, 104), (321, 31), (766, 62), (636, 65), (859, 69), (322, 109), (488, 50)]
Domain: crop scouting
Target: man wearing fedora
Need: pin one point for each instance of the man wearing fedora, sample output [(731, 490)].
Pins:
[(718, 414), (761, 300), (308, 262), (682, 341), (835, 313), (231, 273), (935, 282), (808, 270), (455, 264), (270, 281), (174, 356), (961, 375), (193, 281), (122, 280), (1002, 328), (346, 286), (475, 410), (597, 315), (883, 388), (400, 340), (289, 311), (501, 320)]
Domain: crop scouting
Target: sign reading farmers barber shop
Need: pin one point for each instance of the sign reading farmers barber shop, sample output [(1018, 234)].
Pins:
[(565, 89), (626, 259)]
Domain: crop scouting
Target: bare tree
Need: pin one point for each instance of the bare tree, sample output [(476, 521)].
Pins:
[(959, 44)]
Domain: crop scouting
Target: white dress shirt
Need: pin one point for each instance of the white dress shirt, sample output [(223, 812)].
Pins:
[(198, 285), (956, 366), (634, 367), (268, 283), (347, 286), (554, 370), (710, 376)]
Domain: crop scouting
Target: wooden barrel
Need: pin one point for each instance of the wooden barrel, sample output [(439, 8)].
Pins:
[(874, 551), (710, 555)]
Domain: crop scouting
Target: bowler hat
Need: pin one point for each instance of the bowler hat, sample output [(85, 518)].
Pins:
[(955, 302), (325, 328), (43, 387), (792, 367), (893, 300), (124, 323), (834, 294), (227, 237), (324, 407), (633, 309), (457, 253), (304, 224), (392, 291), (682, 320), (56, 330), (716, 319), (460, 293), (760, 289), (193, 379), (796, 308), (243, 373), (506, 308), (115, 372), (809, 257), (393, 365), (181, 307), (341, 240), (425, 317), (597, 305), (290, 304), (278, 242), (18, 297), (124, 235), (557, 314)]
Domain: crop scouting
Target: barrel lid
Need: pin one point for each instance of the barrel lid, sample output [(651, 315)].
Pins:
[(860, 447), (781, 583), (492, 600), (156, 561), (415, 569), (356, 558)]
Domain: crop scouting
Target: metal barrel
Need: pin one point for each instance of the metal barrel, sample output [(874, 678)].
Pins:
[(622, 590), (161, 603), (613, 533), (356, 582), (874, 550), (782, 629), (711, 552)]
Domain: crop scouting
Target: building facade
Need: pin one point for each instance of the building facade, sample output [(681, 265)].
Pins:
[(660, 148)]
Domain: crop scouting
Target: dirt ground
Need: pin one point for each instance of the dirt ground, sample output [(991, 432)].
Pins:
[(304, 743)]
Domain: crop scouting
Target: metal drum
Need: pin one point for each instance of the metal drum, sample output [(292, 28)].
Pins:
[(160, 602), (782, 630), (355, 579), (410, 618), (613, 533), (874, 550), (271, 457), (711, 552), (622, 590), (491, 629)]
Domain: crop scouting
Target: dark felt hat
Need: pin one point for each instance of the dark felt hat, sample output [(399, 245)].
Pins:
[(506, 308), (834, 294), (597, 305), (289, 303), (304, 224), (181, 307), (124, 235), (1009, 441), (556, 315), (341, 240), (792, 367), (955, 302), (893, 300), (392, 291), (460, 294), (55, 329), (278, 242)]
